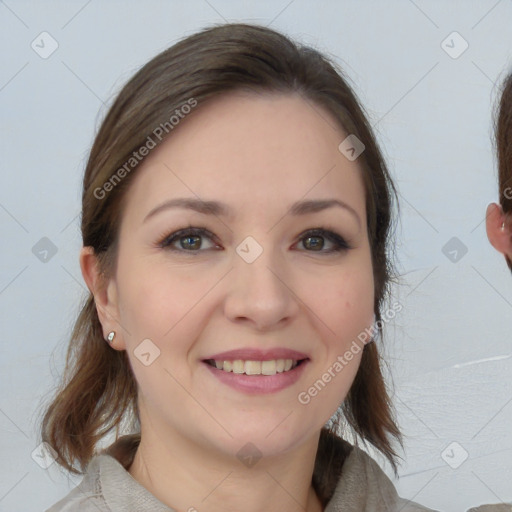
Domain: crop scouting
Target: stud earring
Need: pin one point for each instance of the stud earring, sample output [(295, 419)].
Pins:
[(503, 226), (111, 336)]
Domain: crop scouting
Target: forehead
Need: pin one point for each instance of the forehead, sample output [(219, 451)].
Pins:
[(256, 152)]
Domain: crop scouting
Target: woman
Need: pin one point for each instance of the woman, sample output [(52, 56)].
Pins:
[(498, 225), (236, 222)]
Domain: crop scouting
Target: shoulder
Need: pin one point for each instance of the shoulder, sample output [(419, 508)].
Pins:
[(363, 486), (110, 464), (86, 496), (369, 481), (347, 478), (107, 485)]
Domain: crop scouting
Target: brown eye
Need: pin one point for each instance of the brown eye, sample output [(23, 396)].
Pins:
[(314, 241), (190, 240)]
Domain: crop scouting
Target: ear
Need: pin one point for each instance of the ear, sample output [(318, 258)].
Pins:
[(105, 295), (500, 238)]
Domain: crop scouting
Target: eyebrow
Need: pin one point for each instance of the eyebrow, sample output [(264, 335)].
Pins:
[(221, 209)]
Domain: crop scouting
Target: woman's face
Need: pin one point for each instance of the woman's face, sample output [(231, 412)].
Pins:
[(255, 284)]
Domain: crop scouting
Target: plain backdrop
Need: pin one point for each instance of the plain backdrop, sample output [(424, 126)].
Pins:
[(429, 94)]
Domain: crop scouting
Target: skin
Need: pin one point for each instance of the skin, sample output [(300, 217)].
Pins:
[(259, 154), (499, 235)]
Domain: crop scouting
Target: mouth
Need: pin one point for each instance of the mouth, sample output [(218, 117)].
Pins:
[(255, 367)]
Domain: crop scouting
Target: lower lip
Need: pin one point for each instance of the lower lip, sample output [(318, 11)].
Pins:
[(259, 384)]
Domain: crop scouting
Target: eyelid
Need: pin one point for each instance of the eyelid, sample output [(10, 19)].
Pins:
[(168, 238), (332, 235), (340, 243)]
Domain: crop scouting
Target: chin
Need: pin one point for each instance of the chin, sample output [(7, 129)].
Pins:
[(267, 438)]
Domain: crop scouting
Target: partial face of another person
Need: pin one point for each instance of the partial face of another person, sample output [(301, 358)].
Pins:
[(499, 230), (498, 217), (248, 284)]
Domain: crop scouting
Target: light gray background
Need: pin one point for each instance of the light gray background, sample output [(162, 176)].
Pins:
[(450, 348)]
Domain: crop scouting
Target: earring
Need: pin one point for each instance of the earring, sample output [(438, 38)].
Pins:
[(503, 226), (111, 336)]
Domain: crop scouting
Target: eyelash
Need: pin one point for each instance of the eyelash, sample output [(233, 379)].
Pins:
[(340, 244)]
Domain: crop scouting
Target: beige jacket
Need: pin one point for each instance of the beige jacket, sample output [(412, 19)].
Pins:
[(345, 478)]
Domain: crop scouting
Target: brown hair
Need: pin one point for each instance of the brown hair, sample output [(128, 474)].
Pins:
[(99, 391), (503, 143)]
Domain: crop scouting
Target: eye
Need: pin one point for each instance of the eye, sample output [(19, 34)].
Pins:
[(190, 241), (314, 240)]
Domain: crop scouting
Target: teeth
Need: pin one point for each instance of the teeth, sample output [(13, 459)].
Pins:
[(252, 367), (257, 367), (269, 367), (238, 366)]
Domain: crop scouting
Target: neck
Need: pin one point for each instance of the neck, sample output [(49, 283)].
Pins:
[(190, 478)]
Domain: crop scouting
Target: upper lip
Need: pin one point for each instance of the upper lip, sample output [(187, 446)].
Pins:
[(257, 354)]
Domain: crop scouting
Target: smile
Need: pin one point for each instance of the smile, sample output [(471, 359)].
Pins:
[(250, 367)]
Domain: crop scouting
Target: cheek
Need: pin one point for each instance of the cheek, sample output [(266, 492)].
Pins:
[(347, 312), (347, 304), (154, 297), (156, 302)]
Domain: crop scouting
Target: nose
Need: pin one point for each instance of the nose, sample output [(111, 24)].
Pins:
[(261, 292)]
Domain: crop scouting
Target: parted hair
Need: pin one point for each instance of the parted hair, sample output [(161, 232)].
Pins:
[(98, 391)]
